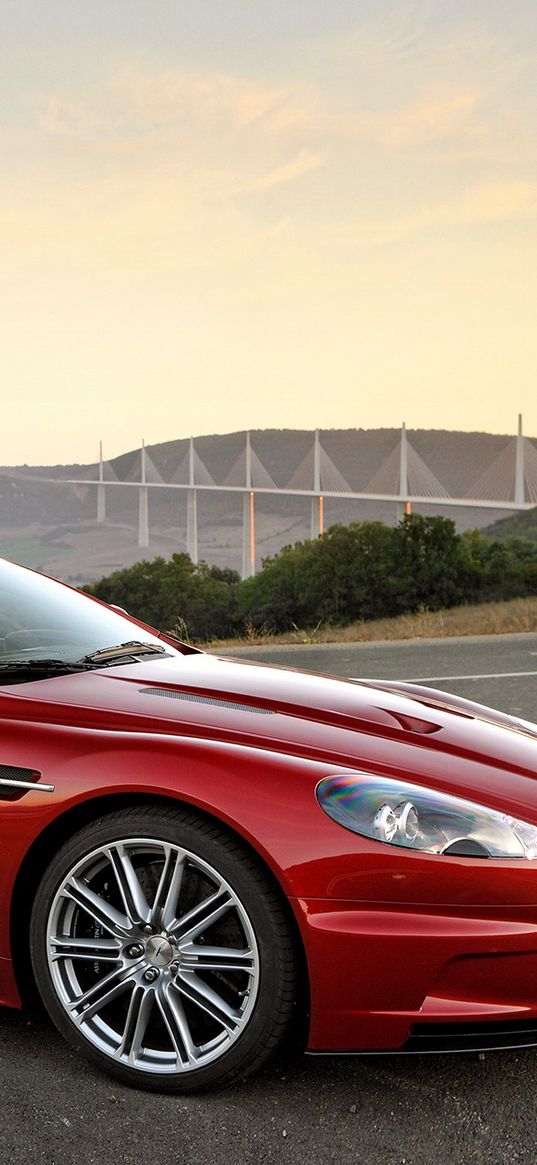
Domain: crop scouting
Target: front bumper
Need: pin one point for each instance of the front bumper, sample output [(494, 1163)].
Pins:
[(393, 979)]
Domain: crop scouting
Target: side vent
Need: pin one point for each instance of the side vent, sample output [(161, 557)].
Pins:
[(15, 782), (194, 699)]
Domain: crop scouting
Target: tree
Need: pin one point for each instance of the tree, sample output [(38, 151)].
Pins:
[(196, 599)]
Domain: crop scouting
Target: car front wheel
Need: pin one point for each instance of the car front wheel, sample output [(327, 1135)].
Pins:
[(163, 951)]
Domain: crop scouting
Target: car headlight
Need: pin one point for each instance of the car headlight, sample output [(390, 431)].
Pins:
[(411, 816)]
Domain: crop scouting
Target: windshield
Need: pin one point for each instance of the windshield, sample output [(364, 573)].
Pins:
[(43, 619)]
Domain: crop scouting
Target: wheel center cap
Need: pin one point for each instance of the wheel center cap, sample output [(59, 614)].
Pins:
[(159, 952)]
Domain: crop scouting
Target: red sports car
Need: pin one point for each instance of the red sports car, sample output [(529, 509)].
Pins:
[(196, 853)]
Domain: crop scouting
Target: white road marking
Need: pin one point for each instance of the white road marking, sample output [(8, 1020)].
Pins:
[(490, 675), (438, 679)]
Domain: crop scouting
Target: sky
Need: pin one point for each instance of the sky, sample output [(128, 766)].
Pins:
[(264, 214)]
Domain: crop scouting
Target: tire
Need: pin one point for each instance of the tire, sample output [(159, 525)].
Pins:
[(162, 950)]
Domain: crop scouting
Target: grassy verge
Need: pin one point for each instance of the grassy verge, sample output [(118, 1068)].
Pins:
[(483, 619)]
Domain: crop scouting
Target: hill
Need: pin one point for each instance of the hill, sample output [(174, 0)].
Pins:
[(523, 525)]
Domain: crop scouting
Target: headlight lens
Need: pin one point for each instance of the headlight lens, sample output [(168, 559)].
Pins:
[(416, 818)]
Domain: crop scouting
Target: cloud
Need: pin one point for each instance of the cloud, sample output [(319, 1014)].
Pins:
[(57, 116), (447, 84), (169, 97), (297, 167), (437, 115), (507, 202), (168, 169), (412, 43), (196, 137), (140, 101)]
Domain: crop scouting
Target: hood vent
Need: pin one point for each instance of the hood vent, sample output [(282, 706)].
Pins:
[(194, 699), (413, 724)]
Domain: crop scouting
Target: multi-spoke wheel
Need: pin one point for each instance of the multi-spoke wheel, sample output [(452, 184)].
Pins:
[(162, 950)]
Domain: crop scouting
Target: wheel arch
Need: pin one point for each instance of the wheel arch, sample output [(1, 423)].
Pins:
[(76, 817)]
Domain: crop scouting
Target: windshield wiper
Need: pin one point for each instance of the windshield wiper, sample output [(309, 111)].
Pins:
[(132, 648), (34, 664), (106, 656)]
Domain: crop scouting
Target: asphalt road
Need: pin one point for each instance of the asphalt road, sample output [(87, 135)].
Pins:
[(391, 1110), (499, 670)]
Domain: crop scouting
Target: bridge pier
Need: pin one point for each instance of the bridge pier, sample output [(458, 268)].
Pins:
[(192, 506), (248, 535), (143, 506), (520, 474), (317, 517), (101, 503), (101, 489), (192, 525), (143, 517), (248, 516), (403, 476)]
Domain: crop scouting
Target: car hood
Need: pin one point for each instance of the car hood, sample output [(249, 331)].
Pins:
[(280, 708)]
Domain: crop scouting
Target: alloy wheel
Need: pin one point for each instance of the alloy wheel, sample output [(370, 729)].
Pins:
[(152, 956)]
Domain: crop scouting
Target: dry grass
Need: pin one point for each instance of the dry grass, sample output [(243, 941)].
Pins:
[(513, 615)]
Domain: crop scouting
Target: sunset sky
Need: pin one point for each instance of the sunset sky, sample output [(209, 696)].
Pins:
[(229, 214)]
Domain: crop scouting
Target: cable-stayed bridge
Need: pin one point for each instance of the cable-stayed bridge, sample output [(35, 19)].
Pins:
[(508, 483)]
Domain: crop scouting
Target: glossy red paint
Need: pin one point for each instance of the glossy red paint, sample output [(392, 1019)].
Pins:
[(390, 936)]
